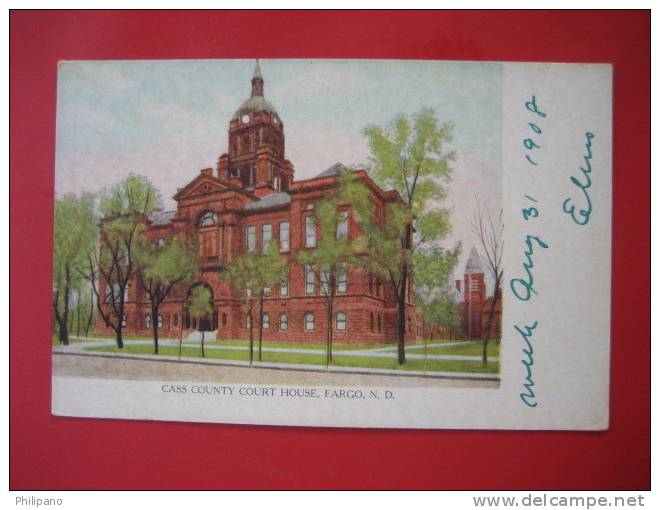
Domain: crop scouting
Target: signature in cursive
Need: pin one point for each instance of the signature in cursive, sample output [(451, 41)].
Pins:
[(584, 213)]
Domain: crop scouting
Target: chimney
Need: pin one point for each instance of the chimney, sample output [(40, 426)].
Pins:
[(222, 166)]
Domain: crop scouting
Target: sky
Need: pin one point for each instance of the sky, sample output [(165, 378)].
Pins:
[(168, 119)]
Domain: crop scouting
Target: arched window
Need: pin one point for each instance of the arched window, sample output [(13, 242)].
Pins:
[(207, 218), (176, 319), (147, 321), (160, 321), (340, 321), (124, 320), (284, 322), (265, 321), (160, 243), (379, 323), (248, 321), (309, 321), (372, 322)]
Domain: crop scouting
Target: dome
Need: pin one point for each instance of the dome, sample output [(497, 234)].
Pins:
[(255, 103)]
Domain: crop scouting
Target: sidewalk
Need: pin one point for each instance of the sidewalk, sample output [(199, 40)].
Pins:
[(170, 368)]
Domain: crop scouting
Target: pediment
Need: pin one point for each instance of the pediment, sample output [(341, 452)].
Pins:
[(200, 185)]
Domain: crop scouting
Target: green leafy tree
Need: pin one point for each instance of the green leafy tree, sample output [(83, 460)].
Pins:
[(441, 311), (199, 305), (125, 209), (75, 238), (243, 273), (254, 274), (409, 156), (160, 267), (336, 254)]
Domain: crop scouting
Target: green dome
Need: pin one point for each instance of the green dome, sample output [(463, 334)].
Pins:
[(256, 104)]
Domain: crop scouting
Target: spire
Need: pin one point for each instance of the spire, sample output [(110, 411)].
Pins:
[(474, 263), (257, 71), (257, 81)]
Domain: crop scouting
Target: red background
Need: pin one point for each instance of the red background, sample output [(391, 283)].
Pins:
[(57, 453)]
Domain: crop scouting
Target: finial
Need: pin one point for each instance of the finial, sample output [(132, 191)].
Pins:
[(257, 71)]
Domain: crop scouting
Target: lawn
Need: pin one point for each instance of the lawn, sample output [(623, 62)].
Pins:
[(298, 345), (310, 359), (56, 340), (473, 349)]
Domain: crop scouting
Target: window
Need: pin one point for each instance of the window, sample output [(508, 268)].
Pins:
[(324, 278), (248, 292), (207, 218), (342, 224), (147, 321), (284, 287), (266, 291), (160, 321), (284, 322), (309, 321), (123, 321), (266, 236), (371, 322), (224, 319), (310, 232), (309, 279), (176, 319), (379, 323), (342, 280), (248, 321), (160, 243), (265, 321), (284, 236), (340, 321), (249, 238)]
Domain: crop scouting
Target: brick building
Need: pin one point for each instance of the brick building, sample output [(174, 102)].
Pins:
[(250, 198), (475, 306)]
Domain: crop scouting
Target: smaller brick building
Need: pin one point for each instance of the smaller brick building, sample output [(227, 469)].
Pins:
[(475, 306), (250, 198)]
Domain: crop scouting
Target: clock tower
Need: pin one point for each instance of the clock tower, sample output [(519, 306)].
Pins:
[(255, 159)]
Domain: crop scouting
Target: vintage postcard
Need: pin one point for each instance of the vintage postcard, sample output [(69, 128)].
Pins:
[(353, 243)]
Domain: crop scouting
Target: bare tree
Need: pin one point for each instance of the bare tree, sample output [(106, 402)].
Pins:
[(490, 234)]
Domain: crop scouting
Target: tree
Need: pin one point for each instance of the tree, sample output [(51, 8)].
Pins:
[(409, 156), (162, 266), (336, 253), (490, 234), (75, 237), (254, 274), (243, 273), (125, 208), (441, 310), (199, 305)]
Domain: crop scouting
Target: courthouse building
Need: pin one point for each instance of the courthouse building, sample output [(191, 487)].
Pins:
[(250, 198)]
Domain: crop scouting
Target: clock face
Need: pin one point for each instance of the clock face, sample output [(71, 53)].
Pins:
[(245, 119)]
